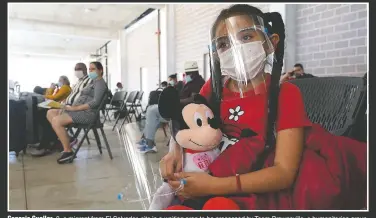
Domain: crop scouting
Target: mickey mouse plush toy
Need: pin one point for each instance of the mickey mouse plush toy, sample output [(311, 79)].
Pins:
[(196, 130)]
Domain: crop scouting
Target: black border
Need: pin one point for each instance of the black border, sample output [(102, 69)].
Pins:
[(173, 214)]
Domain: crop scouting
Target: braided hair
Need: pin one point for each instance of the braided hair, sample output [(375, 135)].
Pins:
[(277, 27)]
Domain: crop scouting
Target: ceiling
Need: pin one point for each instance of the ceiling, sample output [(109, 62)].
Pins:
[(70, 29)]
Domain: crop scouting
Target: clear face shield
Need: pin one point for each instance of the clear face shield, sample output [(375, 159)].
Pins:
[(241, 55)]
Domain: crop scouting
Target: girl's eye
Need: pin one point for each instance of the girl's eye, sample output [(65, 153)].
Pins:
[(197, 119), (223, 46), (247, 38)]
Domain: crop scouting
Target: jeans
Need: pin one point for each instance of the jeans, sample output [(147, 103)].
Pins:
[(152, 122)]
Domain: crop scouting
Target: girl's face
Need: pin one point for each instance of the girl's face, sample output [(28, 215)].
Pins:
[(242, 29)]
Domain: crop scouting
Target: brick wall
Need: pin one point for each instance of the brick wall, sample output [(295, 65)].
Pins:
[(332, 38), (192, 28)]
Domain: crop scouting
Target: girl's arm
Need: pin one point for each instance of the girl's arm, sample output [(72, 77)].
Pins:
[(289, 150)]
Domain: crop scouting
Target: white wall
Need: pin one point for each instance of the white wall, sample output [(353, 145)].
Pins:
[(114, 73), (192, 29), (31, 71), (139, 47)]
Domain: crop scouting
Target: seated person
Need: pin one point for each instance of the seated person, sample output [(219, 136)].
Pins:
[(173, 81), (153, 118), (296, 73), (119, 87), (81, 112), (48, 139), (164, 84), (306, 168), (39, 90), (60, 91)]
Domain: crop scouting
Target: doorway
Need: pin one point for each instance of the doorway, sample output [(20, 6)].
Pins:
[(149, 78)]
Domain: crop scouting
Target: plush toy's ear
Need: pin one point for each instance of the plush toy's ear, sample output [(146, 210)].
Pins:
[(169, 103), (199, 99)]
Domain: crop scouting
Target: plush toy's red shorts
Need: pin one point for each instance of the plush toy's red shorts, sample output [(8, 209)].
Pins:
[(217, 203)]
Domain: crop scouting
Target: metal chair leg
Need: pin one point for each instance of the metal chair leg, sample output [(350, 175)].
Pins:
[(106, 115), (122, 124), (98, 140), (106, 142), (117, 120), (79, 146), (87, 139)]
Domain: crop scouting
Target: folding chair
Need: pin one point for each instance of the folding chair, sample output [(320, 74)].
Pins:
[(116, 103), (336, 103), (96, 124), (75, 134), (132, 106), (138, 104), (127, 107)]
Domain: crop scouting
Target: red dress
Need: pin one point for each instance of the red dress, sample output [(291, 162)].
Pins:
[(333, 171)]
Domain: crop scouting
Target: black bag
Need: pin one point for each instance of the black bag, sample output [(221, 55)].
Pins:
[(32, 127), (17, 126), (154, 97)]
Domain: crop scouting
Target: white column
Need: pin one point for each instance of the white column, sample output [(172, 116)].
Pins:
[(170, 39), (123, 57), (288, 13)]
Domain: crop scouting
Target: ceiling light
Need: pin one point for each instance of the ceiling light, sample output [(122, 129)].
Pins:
[(87, 10), (67, 40)]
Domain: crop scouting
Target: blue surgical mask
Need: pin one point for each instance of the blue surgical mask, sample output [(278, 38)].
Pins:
[(60, 84), (172, 82), (188, 78), (93, 75)]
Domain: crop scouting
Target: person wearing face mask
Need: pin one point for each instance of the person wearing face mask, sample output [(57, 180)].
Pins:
[(82, 111), (60, 91), (48, 139), (193, 80), (80, 71), (173, 81), (153, 118), (273, 157)]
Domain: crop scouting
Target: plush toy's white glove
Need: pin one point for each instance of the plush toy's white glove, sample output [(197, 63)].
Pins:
[(162, 198)]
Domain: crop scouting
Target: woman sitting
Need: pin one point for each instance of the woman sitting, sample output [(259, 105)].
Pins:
[(60, 91), (81, 112), (286, 164)]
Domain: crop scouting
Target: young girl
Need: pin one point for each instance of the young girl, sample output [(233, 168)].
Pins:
[(308, 168)]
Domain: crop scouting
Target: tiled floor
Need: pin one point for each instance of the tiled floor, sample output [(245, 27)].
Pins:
[(92, 181)]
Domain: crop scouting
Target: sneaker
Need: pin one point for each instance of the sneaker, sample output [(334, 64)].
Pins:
[(147, 149), (141, 143), (39, 152), (65, 157)]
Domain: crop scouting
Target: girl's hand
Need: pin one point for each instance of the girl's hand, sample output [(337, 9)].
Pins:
[(197, 184), (170, 164)]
